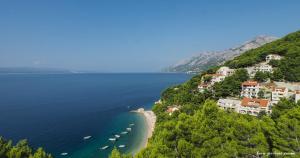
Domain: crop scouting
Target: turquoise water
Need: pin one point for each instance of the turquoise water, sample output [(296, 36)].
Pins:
[(56, 111)]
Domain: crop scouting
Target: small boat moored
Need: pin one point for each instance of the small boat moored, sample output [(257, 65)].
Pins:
[(121, 146), (112, 139), (64, 154), (117, 136), (105, 147), (128, 129), (87, 137), (125, 132), (132, 124)]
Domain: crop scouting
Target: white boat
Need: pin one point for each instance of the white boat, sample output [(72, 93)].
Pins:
[(128, 129), (132, 124), (112, 139), (125, 132), (87, 137), (64, 154), (121, 146), (117, 136), (105, 147)]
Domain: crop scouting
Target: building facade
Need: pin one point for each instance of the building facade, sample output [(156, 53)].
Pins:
[(272, 57), (225, 71), (263, 68), (229, 104), (250, 89), (278, 93), (253, 106), (297, 96)]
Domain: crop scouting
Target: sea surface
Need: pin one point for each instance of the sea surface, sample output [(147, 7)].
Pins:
[(56, 111)]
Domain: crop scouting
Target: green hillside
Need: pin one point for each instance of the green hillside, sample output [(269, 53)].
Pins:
[(20, 150), (201, 129), (288, 46)]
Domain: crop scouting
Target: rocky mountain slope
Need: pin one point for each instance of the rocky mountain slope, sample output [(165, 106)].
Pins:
[(205, 60)]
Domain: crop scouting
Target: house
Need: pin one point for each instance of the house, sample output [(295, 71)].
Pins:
[(297, 96), (214, 78), (272, 57), (250, 89), (171, 109), (254, 106), (277, 93), (203, 86), (229, 104), (217, 78), (225, 71), (263, 68)]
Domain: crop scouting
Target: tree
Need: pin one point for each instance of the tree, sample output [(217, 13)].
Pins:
[(115, 153), (20, 150), (261, 94), (40, 153), (274, 63), (261, 76), (277, 75), (207, 78), (184, 148)]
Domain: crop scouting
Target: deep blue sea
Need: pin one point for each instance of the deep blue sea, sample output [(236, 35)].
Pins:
[(56, 111)]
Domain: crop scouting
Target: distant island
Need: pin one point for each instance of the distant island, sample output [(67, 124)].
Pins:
[(31, 70)]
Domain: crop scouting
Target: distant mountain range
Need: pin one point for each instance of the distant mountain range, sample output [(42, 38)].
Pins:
[(31, 70), (207, 59)]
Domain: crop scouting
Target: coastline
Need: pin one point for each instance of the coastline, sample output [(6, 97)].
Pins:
[(150, 119)]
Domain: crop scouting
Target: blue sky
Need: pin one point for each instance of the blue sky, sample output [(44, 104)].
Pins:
[(132, 35)]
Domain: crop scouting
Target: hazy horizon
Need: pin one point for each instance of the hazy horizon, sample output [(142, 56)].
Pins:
[(132, 36)]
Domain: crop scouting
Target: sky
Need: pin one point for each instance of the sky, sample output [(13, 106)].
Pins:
[(132, 35)]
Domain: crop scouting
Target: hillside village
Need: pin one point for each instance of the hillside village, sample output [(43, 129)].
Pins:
[(255, 97)]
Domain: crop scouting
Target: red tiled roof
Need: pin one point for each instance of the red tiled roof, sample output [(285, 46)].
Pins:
[(204, 85), (249, 83), (249, 102), (281, 89)]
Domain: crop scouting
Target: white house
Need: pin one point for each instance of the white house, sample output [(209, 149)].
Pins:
[(263, 68), (277, 93), (171, 109), (272, 57), (253, 106), (217, 78), (297, 96), (203, 86), (230, 104), (225, 71), (250, 89)]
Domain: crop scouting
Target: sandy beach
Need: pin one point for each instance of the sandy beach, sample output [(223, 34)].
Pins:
[(150, 121)]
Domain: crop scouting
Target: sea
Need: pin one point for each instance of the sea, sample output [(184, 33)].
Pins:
[(56, 111)]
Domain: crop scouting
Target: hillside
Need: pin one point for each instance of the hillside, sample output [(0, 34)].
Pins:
[(201, 129), (288, 47), (205, 60)]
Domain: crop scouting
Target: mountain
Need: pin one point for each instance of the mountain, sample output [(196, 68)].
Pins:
[(207, 59)]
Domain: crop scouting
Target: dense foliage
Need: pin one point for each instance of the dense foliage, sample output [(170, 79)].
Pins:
[(20, 150), (231, 86), (211, 132), (201, 129), (288, 68)]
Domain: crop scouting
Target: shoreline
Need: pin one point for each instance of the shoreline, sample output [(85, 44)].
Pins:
[(150, 120)]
